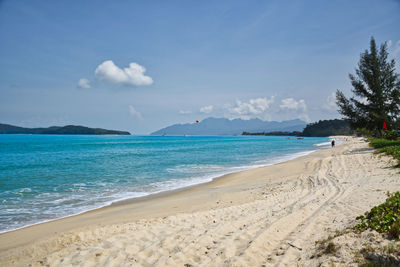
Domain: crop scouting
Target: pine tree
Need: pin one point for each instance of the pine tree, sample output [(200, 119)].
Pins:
[(376, 89)]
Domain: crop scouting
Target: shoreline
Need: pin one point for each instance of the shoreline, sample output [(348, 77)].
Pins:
[(157, 194), (166, 193), (194, 186), (270, 215)]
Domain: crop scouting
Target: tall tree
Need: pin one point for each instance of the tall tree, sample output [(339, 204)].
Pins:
[(376, 89)]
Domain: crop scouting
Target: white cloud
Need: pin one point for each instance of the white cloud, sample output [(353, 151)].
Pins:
[(206, 109), (294, 108), (131, 76), (389, 43), (330, 103), (134, 112), (184, 112), (253, 107), (292, 104), (84, 83)]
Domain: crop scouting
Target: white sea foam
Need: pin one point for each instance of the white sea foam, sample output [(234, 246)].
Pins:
[(323, 144), (79, 210), (338, 141)]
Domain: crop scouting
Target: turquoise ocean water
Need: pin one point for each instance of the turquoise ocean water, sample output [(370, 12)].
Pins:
[(44, 177)]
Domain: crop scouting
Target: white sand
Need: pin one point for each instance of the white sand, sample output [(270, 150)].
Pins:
[(266, 216)]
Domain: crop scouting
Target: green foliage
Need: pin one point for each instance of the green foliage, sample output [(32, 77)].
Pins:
[(382, 143), (390, 147), (327, 128), (320, 128), (383, 218), (391, 134), (393, 151), (376, 89), (363, 132)]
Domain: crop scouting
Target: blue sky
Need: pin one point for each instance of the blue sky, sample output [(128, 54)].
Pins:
[(143, 65)]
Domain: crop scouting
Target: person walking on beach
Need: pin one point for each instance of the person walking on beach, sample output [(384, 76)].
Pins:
[(333, 143)]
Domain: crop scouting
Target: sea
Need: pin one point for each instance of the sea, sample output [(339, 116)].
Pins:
[(45, 177)]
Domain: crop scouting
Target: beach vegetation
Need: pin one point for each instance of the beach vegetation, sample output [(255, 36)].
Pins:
[(375, 103), (362, 132), (383, 218), (382, 143), (327, 245), (391, 134), (331, 248), (379, 256), (389, 146)]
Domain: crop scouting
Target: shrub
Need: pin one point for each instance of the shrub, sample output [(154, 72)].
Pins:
[(331, 248), (380, 142), (391, 134), (383, 218), (390, 147), (363, 132)]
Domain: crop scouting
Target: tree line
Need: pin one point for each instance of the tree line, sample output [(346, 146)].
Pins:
[(321, 128)]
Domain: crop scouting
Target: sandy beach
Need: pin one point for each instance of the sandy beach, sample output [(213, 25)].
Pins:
[(269, 216)]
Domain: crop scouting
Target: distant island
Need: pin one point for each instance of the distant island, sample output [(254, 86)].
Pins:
[(64, 130), (223, 126), (321, 128)]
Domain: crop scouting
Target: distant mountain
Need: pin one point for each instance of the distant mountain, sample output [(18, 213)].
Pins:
[(69, 129), (222, 126)]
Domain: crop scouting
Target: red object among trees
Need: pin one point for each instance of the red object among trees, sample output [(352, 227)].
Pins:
[(384, 126)]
